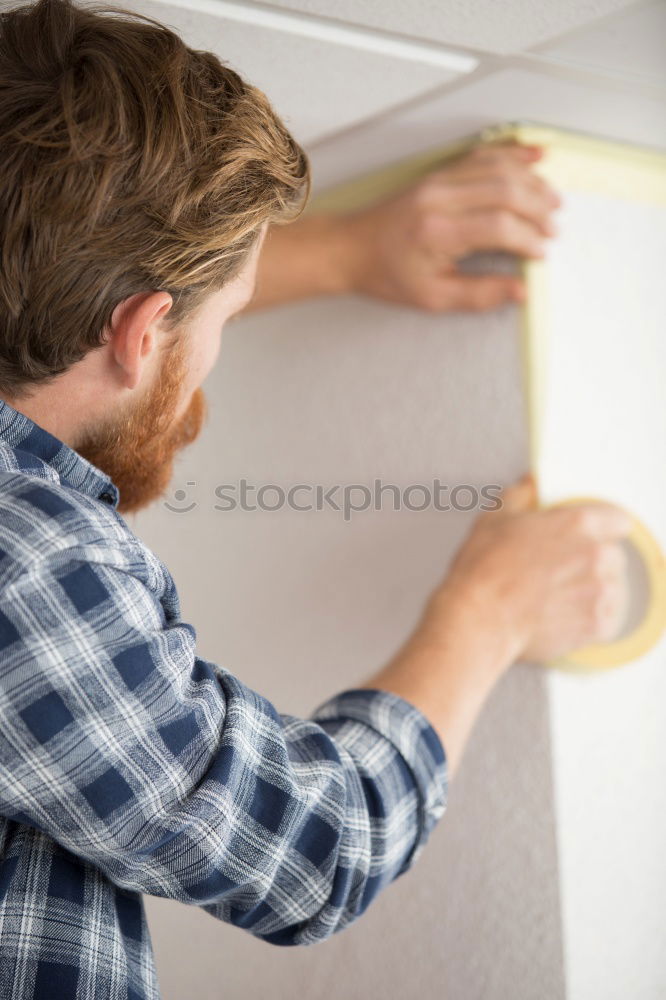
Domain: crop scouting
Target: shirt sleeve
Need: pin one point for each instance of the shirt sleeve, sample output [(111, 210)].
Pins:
[(177, 780)]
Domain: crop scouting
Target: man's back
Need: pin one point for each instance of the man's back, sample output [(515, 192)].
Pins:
[(131, 765)]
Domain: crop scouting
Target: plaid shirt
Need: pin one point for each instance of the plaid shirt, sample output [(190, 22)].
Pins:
[(130, 765)]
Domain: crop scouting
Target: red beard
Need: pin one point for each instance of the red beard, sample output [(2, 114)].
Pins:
[(137, 450)]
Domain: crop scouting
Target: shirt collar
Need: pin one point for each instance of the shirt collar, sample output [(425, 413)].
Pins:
[(20, 432)]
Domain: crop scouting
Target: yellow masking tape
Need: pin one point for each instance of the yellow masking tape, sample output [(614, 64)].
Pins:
[(630, 172), (575, 162), (582, 163), (601, 655)]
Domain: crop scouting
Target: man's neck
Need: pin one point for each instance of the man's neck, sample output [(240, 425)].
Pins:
[(44, 411), (69, 405)]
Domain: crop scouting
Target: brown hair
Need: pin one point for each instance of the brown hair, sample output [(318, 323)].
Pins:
[(128, 162)]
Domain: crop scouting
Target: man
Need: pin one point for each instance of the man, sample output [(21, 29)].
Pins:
[(143, 185)]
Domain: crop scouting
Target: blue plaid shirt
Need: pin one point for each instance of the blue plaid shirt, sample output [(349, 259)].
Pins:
[(130, 765)]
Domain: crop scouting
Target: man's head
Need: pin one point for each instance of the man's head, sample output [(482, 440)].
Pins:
[(137, 181), (159, 373)]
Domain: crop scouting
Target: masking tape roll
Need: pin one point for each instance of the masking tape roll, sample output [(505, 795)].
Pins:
[(604, 655)]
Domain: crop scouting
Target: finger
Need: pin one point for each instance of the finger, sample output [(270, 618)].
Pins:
[(520, 496), (599, 521), (606, 561), (611, 561), (612, 615), (489, 229), (516, 172), (474, 292), (606, 609), (511, 193), (597, 617), (509, 150)]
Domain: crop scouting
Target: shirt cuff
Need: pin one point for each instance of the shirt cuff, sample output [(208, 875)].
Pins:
[(414, 737)]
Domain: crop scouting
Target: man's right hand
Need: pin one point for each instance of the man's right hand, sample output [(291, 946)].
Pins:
[(549, 580), (527, 584)]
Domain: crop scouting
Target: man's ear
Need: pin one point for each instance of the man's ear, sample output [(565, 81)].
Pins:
[(133, 333)]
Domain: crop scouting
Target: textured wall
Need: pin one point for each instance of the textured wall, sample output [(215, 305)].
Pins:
[(303, 604)]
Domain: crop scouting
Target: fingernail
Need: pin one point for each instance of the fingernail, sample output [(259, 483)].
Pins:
[(551, 228), (625, 523)]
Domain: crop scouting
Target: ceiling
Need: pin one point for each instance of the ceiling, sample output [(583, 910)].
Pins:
[(361, 82), (505, 27)]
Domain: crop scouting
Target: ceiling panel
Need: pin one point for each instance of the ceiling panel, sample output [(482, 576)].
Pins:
[(487, 25), (507, 95), (317, 86), (631, 45)]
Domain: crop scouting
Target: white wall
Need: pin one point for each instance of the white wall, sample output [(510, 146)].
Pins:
[(604, 433)]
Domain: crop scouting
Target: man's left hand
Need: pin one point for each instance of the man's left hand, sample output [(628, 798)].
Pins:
[(406, 248)]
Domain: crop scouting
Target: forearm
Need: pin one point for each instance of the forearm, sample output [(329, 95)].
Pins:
[(447, 669), (310, 257)]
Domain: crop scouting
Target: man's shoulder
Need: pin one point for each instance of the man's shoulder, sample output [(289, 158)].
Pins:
[(42, 515), (14, 458), (44, 520)]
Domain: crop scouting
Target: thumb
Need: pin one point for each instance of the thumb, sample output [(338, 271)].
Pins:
[(522, 496), (479, 292)]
